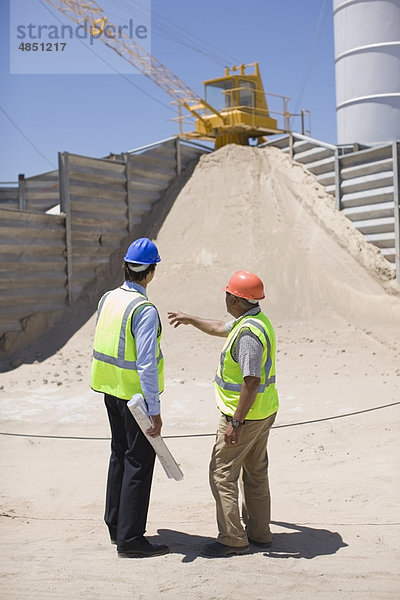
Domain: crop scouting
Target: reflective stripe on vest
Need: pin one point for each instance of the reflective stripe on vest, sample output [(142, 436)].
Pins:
[(101, 303), (236, 387), (119, 361)]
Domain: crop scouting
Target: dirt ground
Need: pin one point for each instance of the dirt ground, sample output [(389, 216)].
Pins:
[(334, 460)]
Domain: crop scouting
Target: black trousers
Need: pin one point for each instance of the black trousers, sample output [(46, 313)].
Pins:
[(130, 475)]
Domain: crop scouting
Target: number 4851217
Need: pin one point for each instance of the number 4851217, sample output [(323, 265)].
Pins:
[(42, 46)]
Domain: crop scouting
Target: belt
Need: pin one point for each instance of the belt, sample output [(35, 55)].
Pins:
[(229, 418)]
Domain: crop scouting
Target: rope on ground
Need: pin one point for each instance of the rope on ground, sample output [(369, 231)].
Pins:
[(98, 520), (196, 435)]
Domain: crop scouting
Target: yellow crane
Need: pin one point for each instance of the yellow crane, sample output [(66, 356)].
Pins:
[(234, 108)]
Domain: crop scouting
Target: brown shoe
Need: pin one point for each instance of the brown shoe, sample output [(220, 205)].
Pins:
[(263, 545), (218, 550)]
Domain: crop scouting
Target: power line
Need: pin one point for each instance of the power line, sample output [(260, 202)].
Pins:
[(112, 67), (170, 30), (317, 31), (108, 64), (27, 138), (197, 435)]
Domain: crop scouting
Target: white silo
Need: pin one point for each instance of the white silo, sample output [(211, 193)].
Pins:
[(367, 67)]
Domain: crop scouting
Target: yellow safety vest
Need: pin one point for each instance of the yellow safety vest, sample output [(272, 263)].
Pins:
[(228, 380), (114, 369)]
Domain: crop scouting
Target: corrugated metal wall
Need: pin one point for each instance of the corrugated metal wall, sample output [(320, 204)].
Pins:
[(41, 192), (365, 183), (47, 259), (93, 196), (9, 197), (38, 193), (149, 175), (368, 198), (32, 266)]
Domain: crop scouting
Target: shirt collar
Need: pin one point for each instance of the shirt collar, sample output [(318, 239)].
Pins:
[(249, 313), (134, 286)]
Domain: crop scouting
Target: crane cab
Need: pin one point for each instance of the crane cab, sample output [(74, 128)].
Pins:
[(236, 108)]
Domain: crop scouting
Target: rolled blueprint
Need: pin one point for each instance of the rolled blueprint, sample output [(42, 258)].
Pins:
[(138, 409)]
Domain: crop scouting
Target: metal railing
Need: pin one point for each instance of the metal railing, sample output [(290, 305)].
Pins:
[(232, 109), (358, 157)]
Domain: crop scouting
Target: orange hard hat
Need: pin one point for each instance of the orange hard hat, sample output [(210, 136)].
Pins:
[(245, 285)]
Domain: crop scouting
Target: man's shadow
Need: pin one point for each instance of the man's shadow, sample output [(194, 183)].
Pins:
[(180, 542), (301, 542)]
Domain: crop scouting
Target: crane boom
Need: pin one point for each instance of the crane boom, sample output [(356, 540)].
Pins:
[(95, 20), (240, 110)]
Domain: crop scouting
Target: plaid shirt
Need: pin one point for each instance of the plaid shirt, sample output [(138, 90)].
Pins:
[(247, 349)]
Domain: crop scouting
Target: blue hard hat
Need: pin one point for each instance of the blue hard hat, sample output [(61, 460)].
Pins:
[(142, 251)]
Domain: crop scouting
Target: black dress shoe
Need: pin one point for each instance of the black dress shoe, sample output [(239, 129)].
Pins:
[(218, 550), (142, 548), (264, 545)]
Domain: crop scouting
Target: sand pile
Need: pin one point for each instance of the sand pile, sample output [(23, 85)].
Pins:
[(334, 490), (254, 209)]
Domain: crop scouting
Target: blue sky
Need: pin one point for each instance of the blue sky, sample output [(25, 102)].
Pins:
[(95, 114)]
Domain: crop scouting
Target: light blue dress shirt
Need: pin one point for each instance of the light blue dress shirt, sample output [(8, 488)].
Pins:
[(145, 325)]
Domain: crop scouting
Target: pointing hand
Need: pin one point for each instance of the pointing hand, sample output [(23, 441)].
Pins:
[(178, 318)]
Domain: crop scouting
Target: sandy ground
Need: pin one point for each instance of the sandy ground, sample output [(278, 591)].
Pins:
[(334, 474)]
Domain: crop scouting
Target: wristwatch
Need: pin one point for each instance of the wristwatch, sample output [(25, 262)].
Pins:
[(236, 423)]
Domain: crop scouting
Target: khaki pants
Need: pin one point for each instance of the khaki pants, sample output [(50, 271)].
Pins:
[(250, 459)]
